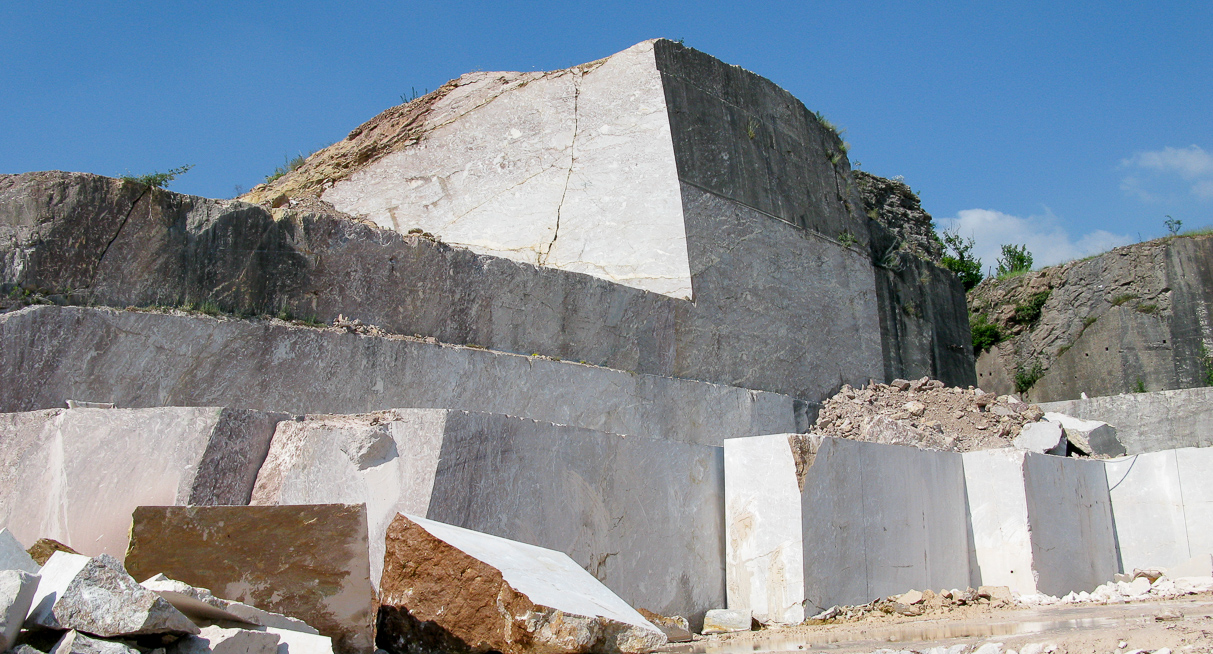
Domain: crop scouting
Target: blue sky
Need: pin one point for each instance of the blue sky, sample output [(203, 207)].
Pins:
[(1071, 127)]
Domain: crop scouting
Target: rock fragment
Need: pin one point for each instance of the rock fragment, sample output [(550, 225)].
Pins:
[(450, 589), (13, 556), (218, 640), (17, 589), (74, 642), (1044, 437), (43, 548), (201, 606), (98, 597), (675, 627), (1093, 436), (723, 621)]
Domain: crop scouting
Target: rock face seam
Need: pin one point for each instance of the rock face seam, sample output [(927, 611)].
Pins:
[(572, 162), (117, 233)]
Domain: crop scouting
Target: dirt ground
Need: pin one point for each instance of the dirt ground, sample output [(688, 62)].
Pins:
[(1182, 625)]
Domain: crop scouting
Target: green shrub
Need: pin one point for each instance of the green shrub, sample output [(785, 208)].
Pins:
[(1015, 260), (1029, 312), (1026, 376), (158, 180), (958, 257), (1147, 308), (1140, 386), (1122, 298), (1206, 362), (290, 164), (985, 334), (847, 239)]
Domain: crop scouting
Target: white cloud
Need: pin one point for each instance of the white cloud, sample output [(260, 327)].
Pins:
[(1046, 239), (1191, 164)]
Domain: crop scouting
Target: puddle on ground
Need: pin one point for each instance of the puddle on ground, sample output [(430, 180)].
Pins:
[(901, 633)]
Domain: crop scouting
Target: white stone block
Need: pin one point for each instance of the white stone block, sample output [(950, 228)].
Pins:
[(1148, 508), (298, 642), (220, 640), (723, 621), (13, 555), (17, 588), (998, 513), (763, 544), (1195, 467), (1197, 566), (1044, 436)]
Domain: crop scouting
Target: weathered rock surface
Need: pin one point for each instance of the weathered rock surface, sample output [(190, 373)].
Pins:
[(723, 621), (17, 588), (50, 353), (1149, 422), (893, 204), (13, 556), (447, 589), (98, 597), (74, 642), (594, 496), (307, 562), (43, 548), (201, 606), (1135, 318), (218, 640), (76, 474)]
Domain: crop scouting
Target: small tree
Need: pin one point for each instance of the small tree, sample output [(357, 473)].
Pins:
[(958, 257), (1015, 259), (1173, 225), (158, 180)]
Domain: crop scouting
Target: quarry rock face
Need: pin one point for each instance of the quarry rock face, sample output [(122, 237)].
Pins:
[(447, 589), (76, 474), (585, 493), (306, 562), (98, 597)]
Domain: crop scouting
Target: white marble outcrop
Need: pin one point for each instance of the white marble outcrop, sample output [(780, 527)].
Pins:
[(1040, 523), (75, 475), (1163, 506), (636, 512)]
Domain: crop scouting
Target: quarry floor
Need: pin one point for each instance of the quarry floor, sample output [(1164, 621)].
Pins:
[(1073, 628)]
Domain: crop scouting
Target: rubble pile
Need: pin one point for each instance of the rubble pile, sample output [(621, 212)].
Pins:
[(926, 414), (916, 603)]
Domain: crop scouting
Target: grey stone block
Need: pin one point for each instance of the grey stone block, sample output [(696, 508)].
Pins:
[(98, 597), (1149, 422), (636, 512), (1163, 506), (75, 475), (147, 359), (219, 640), (74, 642), (13, 555), (1044, 436), (17, 589)]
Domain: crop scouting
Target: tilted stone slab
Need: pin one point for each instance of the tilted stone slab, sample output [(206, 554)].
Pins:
[(220, 640), (17, 588), (98, 597), (74, 642), (874, 520), (1163, 506), (1040, 523), (13, 556), (447, 589), (50, 353), (75, 475), (636, 512), (306, 562), (203, 607)]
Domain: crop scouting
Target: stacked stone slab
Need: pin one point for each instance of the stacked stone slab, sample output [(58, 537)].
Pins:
[(1163, 506), (1040, 523), (866, 521), (75, 475), (641, 515)]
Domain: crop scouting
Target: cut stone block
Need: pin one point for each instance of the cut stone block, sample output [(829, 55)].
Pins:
[(1094, 435), (1163, 506), (17, 588), (765, 568), (723, 621), (98, 597), (1040, 524), (451, 589), (75, 475), (13, 556), (636, 512), (1197, 566), (1150, 422), (49, 352), (218, 640), (74, 642), (201, 606), (874, 520), (298, 642), (1043, 436), (307, 562)]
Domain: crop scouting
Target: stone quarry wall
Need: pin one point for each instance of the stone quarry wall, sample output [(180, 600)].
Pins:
[(1149, 422), (1135, 318), (1162, 503), (49, 354)]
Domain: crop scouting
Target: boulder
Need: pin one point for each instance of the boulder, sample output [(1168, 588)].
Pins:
[(16, 593), (98, 597), (723, 621), (448, 589), (218, 640), (13, 556), (1091, 436), (74, 642), (305, 561), (1044, 437), (201, 606)]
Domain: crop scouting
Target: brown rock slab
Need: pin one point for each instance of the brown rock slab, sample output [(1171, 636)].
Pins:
[(447, 589), (43, 548), (304, 561)]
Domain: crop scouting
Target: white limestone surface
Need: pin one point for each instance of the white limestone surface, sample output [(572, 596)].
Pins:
[(572, 169), (1195, 465), (635, 512), (998, 514), (547, 577), (763, 545), (881, 520), (1148, 507)]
